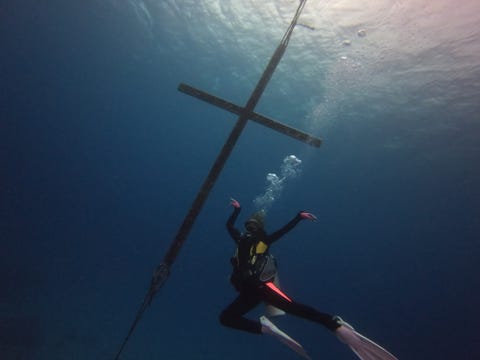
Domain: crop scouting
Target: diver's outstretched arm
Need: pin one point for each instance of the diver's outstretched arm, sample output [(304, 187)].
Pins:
[(234, 233), (302, 215)]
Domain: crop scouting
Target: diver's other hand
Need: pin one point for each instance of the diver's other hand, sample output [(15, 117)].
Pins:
[(308, 216), (234, 203)]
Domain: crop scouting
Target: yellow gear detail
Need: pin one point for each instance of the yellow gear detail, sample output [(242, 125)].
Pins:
[(261, 247)]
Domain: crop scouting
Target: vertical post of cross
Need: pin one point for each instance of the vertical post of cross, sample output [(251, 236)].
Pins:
[(246, 112)]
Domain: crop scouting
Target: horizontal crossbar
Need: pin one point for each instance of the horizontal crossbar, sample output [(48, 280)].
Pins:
[(238, 110)]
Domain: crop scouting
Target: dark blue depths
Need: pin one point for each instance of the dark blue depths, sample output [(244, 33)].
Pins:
[(101, 158)]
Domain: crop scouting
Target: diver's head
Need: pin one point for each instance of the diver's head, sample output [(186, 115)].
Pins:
[(255, 223), (253, 226)]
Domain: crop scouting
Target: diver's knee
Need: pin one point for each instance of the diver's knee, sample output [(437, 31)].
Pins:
[(225, 318)]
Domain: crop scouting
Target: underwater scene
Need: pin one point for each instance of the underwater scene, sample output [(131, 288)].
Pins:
[(356, 120)]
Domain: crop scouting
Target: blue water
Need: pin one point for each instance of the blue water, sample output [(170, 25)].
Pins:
[(101, 158)]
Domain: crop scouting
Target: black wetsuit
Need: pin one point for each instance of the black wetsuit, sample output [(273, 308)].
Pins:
[(255, 285)]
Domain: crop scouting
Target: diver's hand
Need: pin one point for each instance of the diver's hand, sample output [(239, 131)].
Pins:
[(308, 216), (234, 203)]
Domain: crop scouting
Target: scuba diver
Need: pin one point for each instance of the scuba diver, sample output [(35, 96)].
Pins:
[(255, 278)]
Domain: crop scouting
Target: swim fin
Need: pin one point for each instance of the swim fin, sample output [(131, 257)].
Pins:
[(364, 348), (269, 328), (272, 311)]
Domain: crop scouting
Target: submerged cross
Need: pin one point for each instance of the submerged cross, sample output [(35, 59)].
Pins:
[(245, 114)]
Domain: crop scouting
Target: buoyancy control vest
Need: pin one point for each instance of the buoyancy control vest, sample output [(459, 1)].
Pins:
[(252, 261)]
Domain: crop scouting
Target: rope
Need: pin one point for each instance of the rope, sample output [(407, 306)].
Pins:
[(159, 277)]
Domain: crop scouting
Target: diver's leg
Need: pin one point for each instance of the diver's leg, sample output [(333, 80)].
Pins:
[(274, 296), (233, 317), (363, 347)]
